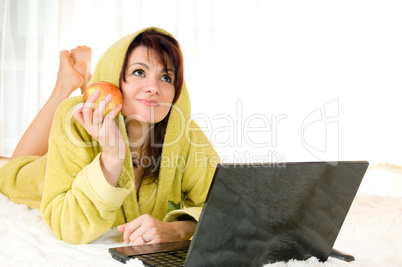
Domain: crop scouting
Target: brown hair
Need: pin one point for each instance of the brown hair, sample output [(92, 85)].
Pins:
[(169, 53)]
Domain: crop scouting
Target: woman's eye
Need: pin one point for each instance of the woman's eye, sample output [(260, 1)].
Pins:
[(166, 78), (139, 73)]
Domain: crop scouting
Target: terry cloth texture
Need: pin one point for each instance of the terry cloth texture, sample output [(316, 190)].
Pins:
[(68, 184)]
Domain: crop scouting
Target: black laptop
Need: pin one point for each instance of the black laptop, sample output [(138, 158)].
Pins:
[(263, 213)]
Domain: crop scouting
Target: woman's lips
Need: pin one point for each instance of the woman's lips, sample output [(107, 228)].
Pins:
[(148, 102)]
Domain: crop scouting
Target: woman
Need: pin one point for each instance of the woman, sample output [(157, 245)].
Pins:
[(113, 171)]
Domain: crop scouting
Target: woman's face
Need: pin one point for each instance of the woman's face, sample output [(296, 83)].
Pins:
[(149, 90)]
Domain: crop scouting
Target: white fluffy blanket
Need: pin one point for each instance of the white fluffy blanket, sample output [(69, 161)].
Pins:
[(372, 232)]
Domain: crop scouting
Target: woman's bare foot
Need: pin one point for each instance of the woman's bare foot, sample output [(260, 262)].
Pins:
[(68, 79), (82, 63), (36, 138)]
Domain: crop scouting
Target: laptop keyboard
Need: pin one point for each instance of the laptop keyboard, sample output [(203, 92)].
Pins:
[(169, 258)]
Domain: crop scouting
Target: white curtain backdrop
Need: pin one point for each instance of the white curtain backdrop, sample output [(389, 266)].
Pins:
[(269, 81)]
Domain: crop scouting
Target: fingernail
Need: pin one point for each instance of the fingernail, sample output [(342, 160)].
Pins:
[(97, 92), (109, 96)]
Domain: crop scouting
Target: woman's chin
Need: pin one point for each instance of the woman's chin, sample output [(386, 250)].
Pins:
[(140, 119)]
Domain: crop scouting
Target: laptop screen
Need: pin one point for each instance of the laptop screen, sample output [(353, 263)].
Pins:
[(257, 214)]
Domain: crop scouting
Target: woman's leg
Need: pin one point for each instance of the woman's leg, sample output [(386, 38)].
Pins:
[(74, 72)]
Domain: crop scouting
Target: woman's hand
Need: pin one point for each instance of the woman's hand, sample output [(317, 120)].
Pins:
[(105, 130), (147, 229), (102, 128)]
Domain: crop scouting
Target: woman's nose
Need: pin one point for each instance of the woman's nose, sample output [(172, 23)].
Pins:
[(152, 86)]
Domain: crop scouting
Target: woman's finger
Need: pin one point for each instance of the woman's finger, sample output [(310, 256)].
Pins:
[(89, 105), (100, 110), (121, 227), (113, 113), (77, 113), (77, 109), (130, 229), (108, 122), (137, 237)]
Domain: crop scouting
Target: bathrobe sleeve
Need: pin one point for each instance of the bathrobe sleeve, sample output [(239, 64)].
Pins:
[(78, 204)]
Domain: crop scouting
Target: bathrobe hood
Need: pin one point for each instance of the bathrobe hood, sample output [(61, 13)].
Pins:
[(108, 69)]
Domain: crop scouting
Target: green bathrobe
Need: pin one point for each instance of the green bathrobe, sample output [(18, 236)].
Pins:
[(68, 184)]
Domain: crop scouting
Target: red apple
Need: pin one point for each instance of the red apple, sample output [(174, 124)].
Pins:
[(105, 88)]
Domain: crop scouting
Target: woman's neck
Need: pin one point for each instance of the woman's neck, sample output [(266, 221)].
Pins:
[(137, 134)]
